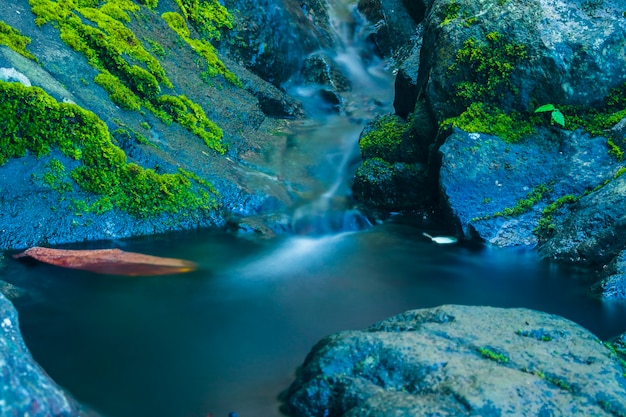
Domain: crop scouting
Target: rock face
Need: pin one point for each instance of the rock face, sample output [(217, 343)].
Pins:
[(25, 389), (461, 361)]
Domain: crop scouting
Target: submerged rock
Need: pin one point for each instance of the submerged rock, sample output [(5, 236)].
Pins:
[(25, 389), (461, 361)]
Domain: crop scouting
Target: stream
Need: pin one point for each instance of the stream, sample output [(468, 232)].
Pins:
[(229, 337)]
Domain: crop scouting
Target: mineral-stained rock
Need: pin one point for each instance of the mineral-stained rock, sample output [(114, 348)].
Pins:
[(461, 361)]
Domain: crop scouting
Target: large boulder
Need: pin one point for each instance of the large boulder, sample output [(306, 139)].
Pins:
[(537, 51), (461, 361), (498, 191), (25, 389)]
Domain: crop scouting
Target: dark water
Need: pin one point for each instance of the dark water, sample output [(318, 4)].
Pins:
[(229, 336)]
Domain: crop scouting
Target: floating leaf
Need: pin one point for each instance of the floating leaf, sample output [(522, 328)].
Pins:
[(109, 261), (545, 108), (558, 117)]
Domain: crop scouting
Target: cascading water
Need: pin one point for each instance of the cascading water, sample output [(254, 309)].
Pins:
[(369, 95)]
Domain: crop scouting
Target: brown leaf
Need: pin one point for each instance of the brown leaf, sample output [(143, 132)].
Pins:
[(109, 261)]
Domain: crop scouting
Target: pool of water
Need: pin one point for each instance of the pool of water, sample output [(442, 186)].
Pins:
[(229, 336)]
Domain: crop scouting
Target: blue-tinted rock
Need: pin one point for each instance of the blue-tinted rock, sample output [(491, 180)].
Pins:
[(461, 361), (25, 388)]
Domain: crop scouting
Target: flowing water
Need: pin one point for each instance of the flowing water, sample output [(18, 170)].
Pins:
[(229, 336)]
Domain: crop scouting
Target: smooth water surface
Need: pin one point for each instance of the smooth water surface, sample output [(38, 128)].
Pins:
[(229, 336)]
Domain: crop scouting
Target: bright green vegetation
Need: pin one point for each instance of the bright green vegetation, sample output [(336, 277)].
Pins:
[(384, 139), (522, 206), (135, 84), (203, 48), (486, 66), (560, 383), (149, 3), (546, 222), (483, 118), (450, 12), (33, 122), (494, 356), (191, 116), (483, 69), (14, 40), (207, 16), (56, 176), (556, 116), (118, 92)]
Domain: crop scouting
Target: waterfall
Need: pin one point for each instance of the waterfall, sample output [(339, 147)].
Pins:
[(369, 94)]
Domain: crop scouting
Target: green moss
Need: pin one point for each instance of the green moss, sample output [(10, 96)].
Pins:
[(546, 223), (494, 356), (384, 139), (522, 206), (130, 85), (118, 92), (560, 383), (149, 3), (483, 118), (156, 48), (484, 68), (56, 176), (15, 40), (203, 48), (32, 121), (191, 116), (207, 16), (450, 12)]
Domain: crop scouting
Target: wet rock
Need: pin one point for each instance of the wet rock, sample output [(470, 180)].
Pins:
[(497, 191), (393, 25), (25, 389), (570, 45), (461, 361), (277, 35), (390, 186), (406, 89)]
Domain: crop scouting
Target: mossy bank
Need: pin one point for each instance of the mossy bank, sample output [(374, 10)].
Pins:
[(122, 118)]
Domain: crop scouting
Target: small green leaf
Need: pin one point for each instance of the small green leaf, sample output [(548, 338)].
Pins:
[(558, 117), (545, 107)]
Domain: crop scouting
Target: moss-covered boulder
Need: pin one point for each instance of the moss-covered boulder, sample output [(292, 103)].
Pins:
[(518, 55), (118, 93), (461, 361)]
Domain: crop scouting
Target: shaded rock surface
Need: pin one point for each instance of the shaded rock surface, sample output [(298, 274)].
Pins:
[(461, 361), (25, 389), (594, 232)]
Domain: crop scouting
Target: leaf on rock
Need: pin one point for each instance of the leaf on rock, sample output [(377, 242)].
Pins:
[(109, 261), (545, 108)]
